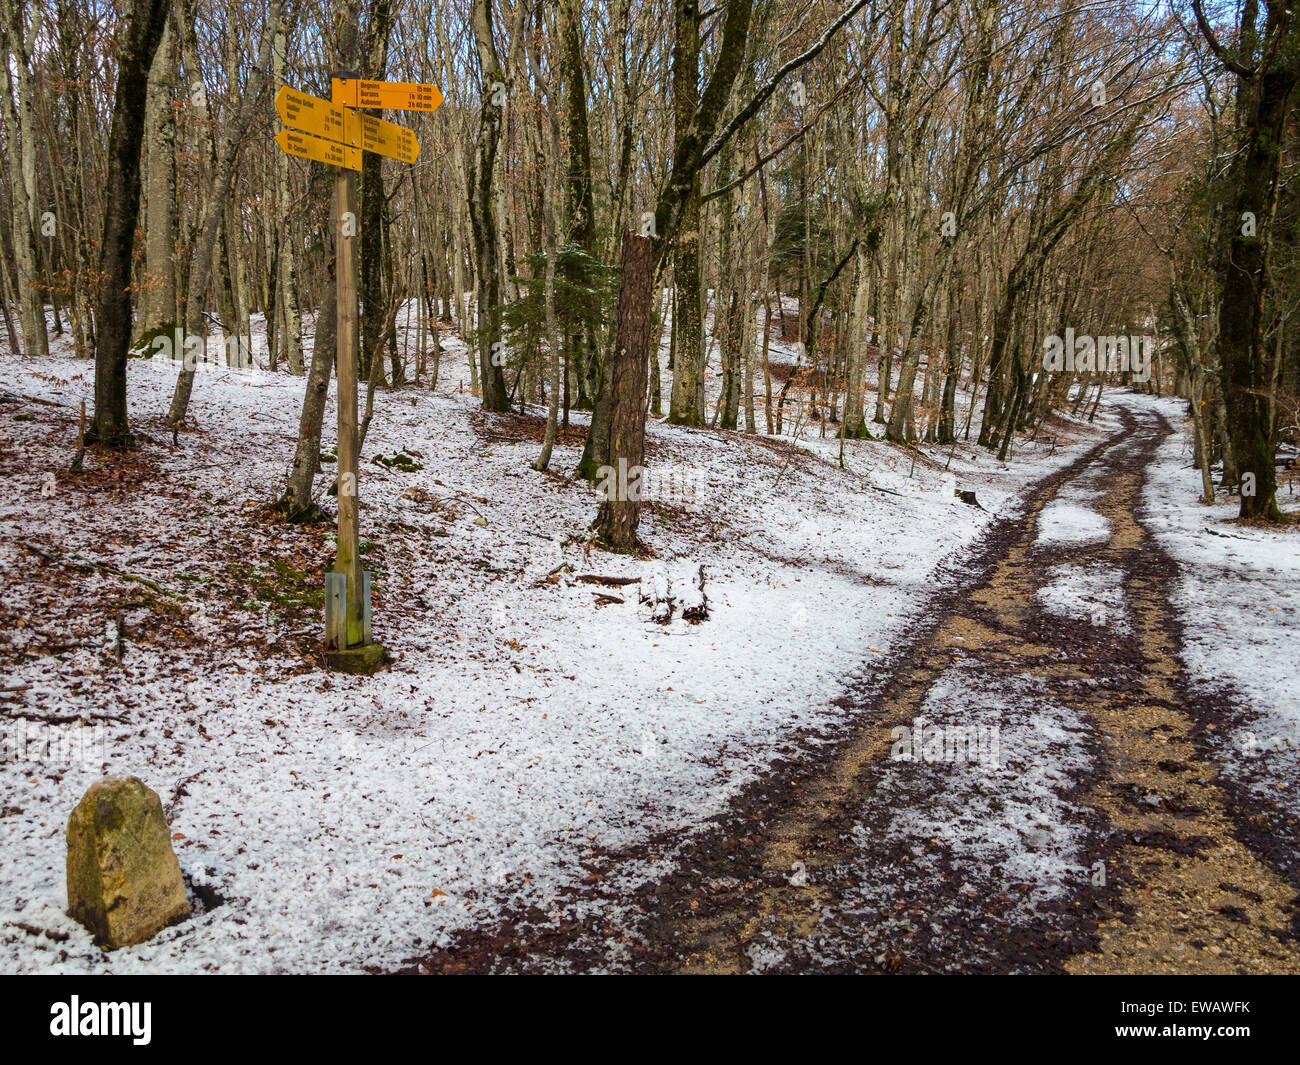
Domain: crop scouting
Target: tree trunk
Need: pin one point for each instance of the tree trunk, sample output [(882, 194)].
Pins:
[(121, 211), (290, 303), (580, 205), (218, 193), (158, 298), (296, 504), (1245, 260), (855, 423), (487, 294), (21, 160), (688, 319), (616, 522), (376, 269)]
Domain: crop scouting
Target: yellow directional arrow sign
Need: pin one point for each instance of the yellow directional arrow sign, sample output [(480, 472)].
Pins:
[(344, 126), (387, 95), (317, 117), (388, 139), (323, 151)]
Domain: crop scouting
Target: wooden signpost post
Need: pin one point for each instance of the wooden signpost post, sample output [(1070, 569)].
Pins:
[(331, 131)]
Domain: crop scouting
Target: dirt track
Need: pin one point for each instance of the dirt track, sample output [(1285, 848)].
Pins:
[(809, 872)]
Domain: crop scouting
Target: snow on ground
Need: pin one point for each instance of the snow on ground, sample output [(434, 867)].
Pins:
[(1092, 593), (1004, 816), (1066, 522), (1239, 596), (975, 834), (333, 823)]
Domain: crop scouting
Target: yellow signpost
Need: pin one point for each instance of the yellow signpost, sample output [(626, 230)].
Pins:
[(387, 95), (331, 131), (322, 151), (318, 117), (386, 138)]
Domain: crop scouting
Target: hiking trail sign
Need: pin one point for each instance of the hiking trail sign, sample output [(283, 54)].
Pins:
[(333, 132), (305, 146), (343, 126), (312, 115), (386, 95)]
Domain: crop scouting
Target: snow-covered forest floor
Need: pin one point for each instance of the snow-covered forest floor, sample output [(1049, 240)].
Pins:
[(1238, 595), (154, 615)]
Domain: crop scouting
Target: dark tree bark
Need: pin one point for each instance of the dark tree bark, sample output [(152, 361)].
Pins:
[(946, 432), (690, 153), (687, 407), (617, 519), (487, 293), (144, 31), (296, 504), (1250, 192)]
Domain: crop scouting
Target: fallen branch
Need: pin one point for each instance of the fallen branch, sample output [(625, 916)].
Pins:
[(179, 790), (82, 565), (608, 582), (65, 719), (1236, 536), (45, 402)]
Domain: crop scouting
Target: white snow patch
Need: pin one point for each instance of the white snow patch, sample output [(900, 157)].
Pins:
[(1063, 522), (1011, 822), (1092, 593)]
